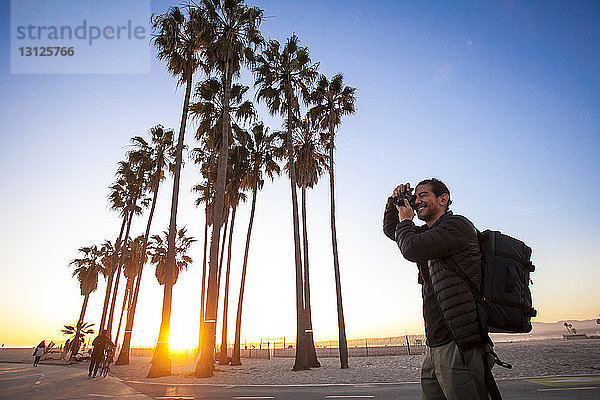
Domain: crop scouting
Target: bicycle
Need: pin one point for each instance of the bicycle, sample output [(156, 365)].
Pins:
[(108, 357)]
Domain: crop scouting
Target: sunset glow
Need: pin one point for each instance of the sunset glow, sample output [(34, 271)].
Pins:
[(500, 102)]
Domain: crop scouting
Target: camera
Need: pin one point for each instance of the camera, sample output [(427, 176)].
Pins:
[(399, 200)]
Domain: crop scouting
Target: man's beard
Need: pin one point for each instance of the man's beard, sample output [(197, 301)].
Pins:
[(425, 214)]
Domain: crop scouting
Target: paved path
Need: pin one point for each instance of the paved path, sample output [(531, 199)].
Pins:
[(584, 388), (56, 382), (23, 381)]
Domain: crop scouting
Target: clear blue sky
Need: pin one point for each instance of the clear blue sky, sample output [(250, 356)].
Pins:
[(498, 98)]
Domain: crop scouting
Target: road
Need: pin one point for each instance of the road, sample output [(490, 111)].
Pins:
[(56, 382)]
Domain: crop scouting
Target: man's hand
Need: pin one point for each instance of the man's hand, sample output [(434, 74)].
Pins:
[(405, 212), (400, 190)]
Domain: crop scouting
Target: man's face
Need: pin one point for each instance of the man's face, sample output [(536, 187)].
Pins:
[(428, 206)]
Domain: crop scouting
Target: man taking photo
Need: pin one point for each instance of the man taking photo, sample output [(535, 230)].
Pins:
[(457, 363)]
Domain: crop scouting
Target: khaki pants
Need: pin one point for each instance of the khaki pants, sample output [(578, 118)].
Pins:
[(444, 375)]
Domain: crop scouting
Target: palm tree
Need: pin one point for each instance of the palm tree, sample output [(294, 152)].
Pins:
[(130, 185), (209, 110), (238, 162), (78, 332), (133, 257), (206, 196), (158, 247), (234, 34), (109, 251), (261, 161), (179, 40), (159, 256), (159, 153), (87, 269), (310, 161), (283, 78), (334, 100)]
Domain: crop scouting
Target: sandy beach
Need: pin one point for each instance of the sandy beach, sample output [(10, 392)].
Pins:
[(529, 359)]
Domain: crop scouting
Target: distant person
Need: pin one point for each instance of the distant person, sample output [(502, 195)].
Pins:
[(457, 362), (39, 352), (75, 346), (99, 344), (66, 349)]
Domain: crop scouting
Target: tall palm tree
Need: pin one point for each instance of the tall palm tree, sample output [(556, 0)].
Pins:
[(234, 35), (117, 203), (180, 40), (131, 180), (238, 163), (159, 153), (261, 161), (87, 269), (209, 110), (206, 198), (127, 272), (134, 256), (311, 161), (283, 78), (334, 100)]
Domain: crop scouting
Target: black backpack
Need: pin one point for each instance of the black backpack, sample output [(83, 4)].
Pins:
[(504, 292), (504, 296)]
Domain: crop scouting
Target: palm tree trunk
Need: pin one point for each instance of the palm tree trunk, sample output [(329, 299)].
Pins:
[(81, 314), (235, 357), (301, 360), (312, 352), (343, 345), (116, 289), (161, 364), (111, 275), (203, 291), (222, 253), (223, 357), (205, 366), (123, 358), (83, 309), (126, 296)]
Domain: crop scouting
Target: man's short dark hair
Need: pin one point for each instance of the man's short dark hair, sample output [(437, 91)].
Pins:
[(438, 188)]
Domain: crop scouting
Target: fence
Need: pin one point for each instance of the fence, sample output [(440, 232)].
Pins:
[(280, 347)]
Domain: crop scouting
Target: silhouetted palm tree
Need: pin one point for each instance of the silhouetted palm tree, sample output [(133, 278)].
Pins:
[(130, 184), (334, 100), (78, 332), (310, 161), (110, 252), (233, 36), (158, 249), (206, 197), (261, 161), (209, 110), (134, 255), (283, 78), (238, 168), (159, 153), (87, 269), (179, 40)]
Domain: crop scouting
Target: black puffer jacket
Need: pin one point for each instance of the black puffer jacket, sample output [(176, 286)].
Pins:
[(451, 242)]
